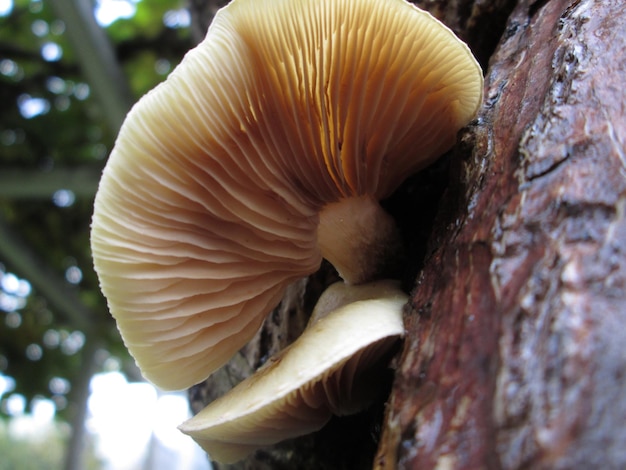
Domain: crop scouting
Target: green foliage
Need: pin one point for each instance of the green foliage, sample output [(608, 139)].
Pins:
[(43, 451), (49, 120)]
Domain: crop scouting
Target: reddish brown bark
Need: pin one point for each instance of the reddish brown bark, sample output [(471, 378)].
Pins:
[(515, 352)]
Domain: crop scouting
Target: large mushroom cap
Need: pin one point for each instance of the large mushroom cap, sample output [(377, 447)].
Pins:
[(209, 204), (328, 370)]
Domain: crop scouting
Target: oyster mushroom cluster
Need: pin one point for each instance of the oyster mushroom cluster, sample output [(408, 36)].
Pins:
[(266, 150)]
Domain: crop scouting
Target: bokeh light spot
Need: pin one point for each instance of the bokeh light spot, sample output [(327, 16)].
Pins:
[(52, 338), (9, 68), (63, 198), (34, 352), (59, 386), (73, 274), (9, 282), (15, 404), (57, 27), (13, 320), (177, 18), (109, 11), (73, 343), (51, 51), (162, 66), (81, 91), (31, 107), (6, 6), (39, 28)]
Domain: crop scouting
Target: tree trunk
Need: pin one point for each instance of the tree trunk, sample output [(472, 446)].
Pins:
[(514, 353), (75, 450)]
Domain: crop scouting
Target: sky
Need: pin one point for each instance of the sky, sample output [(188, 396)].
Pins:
[(134, 426), (131, 418), (107, 11)]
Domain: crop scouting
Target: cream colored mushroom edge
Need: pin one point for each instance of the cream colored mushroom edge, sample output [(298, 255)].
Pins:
[(333, 368), (267, 149)]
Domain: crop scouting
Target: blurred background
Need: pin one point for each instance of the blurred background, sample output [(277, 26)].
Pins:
[(70, 397)]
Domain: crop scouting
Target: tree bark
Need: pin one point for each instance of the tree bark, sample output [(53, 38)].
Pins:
[(514, 355), (75, 450), (514, 352)]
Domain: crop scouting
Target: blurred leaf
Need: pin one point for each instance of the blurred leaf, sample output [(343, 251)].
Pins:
[(69, 132), (43, 451)]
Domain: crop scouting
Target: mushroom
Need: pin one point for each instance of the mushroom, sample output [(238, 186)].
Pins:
[(332, 368), (267, 149)]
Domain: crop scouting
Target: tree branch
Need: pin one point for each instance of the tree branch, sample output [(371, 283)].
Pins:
[(97, 59), (36, 184), (61, 295)]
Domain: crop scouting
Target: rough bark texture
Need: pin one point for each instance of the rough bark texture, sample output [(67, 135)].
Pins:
[(514, 356)]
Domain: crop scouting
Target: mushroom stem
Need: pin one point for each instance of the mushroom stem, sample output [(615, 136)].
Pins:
[(359, 239)]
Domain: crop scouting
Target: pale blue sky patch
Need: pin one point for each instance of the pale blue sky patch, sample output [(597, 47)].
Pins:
[(6, 7), (109, 11)]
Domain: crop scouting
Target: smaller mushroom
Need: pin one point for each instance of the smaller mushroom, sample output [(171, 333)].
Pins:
[(332, 368)]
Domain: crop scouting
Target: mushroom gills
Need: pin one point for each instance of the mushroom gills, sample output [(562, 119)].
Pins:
[(289, 114), (332, 368)]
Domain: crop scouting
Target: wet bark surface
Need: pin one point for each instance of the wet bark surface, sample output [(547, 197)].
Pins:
[(516, 263), (514, 355)]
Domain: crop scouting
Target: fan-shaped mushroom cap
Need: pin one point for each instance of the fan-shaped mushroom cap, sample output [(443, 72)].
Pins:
[(209, 204), (328, 370)]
